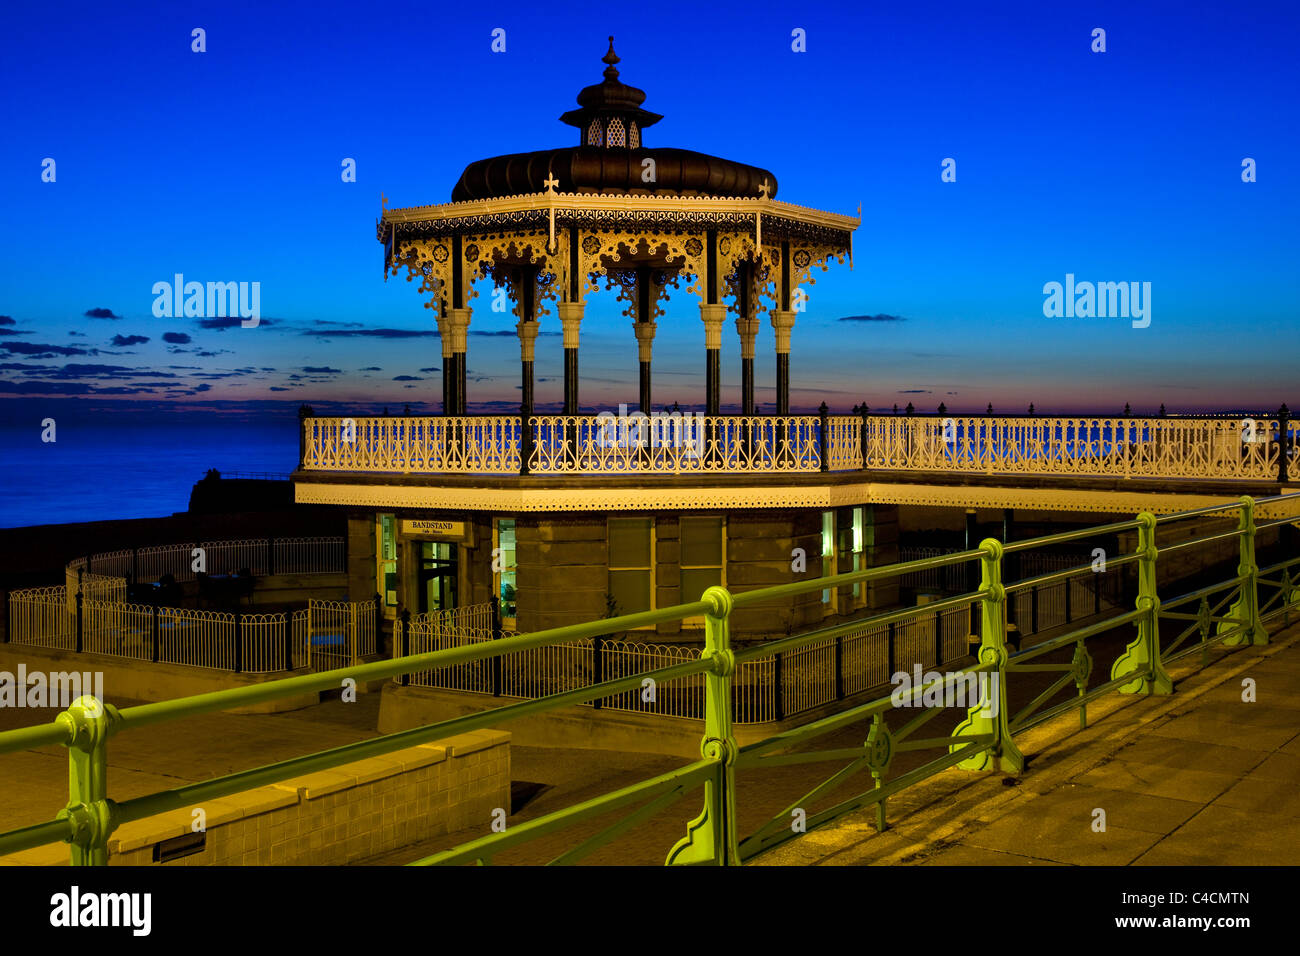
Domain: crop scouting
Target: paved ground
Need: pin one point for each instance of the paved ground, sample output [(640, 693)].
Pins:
[(1199, 777)]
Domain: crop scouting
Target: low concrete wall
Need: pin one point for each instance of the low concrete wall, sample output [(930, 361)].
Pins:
[(144, 680), (332, 817), (299, 588)]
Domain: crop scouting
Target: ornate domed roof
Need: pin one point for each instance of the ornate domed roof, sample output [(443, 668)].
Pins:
[(611, 157)]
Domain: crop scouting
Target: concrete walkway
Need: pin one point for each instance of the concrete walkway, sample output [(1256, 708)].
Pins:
[(1200, 777)]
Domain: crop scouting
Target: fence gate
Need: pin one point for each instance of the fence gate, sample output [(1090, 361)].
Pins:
[(331, 634)]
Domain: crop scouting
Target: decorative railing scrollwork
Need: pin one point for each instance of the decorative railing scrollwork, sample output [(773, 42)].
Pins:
[(690, 443)]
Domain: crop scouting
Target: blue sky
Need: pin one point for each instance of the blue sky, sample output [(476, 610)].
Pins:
[(1115, 166)]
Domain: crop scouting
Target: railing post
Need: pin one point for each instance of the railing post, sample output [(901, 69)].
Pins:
[(891, 650), (711, 838), (154, 616), (1283, 442), (823, 437), (405, 625), (1246, 608), (239, 641), (1142, 656), (989, 714), (778, 687), (352, 633), (839, 667), (938, 639), (1033, 608), (525, 440), (597, 665), (865, 437), (89, 812), (80, 633), (288, 641), (496, 635)]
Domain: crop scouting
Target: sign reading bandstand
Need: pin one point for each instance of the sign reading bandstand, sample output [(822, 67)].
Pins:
[(437, 527)]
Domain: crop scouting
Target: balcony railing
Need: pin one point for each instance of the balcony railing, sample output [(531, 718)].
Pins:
[(1248, 449)]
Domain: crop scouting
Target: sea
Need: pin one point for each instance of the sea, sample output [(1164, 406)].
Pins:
[(96, 471)]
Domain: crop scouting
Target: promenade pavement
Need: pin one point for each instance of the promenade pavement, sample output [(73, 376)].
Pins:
[(1199, 777)]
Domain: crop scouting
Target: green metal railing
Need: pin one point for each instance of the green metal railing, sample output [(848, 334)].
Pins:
[(983, 741)]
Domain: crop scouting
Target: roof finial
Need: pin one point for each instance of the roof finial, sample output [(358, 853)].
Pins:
[(611, 58)]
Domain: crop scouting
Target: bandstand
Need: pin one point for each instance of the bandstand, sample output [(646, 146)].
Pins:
[(573, 516)]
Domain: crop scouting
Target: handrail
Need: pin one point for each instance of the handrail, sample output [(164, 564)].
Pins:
[(983, 741)]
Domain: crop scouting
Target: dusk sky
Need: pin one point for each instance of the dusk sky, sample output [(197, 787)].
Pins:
[(1122, 166)]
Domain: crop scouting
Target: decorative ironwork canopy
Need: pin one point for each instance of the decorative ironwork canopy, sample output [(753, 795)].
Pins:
[(549, 225)]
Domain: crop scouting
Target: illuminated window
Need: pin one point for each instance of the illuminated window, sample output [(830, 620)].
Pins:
[(634, 136), (702, 548), (631, 565), (859, 551), (615, 136), (388, 559), (503, 566), (828, 557), (595, 135)]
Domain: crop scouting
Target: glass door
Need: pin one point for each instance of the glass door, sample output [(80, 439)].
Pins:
[(438, 575)]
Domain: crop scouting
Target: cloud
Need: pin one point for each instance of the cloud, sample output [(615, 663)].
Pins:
[(45, 388), (375, 368), (86, 370), (322, 370), (407, 378), (913, 391), (882, 317), (7, 320), (373, 333), (431, 368), (78, 334), (120, 340), (43, 350), (504, 332), (101, 314), (177, 338), (222, 322), (279, 388)]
